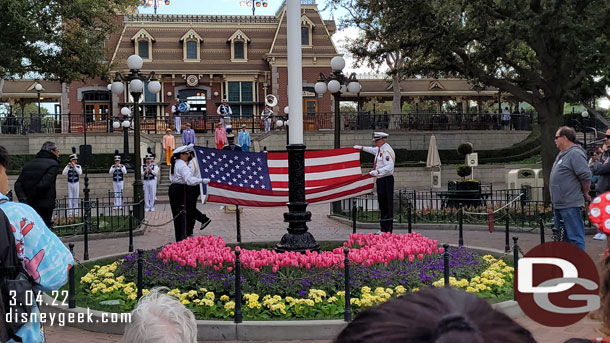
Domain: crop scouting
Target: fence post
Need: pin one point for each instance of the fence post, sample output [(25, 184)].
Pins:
[(400, 206), (97, 210), (409, 219), (237, 318), (446, 264), (515, 261), (541, 223), (238, 223), (507, 238), (347, 315), (461, 225), (85, 233), (140, 282), (130, 230), (354, 215), (71, 282)]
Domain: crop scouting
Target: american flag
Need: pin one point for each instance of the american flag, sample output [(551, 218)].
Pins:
[(261, 179)]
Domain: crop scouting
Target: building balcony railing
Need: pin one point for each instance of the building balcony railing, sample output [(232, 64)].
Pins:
[(319, 121)]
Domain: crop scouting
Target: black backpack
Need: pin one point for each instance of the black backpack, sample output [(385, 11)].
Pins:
[(14, 284)]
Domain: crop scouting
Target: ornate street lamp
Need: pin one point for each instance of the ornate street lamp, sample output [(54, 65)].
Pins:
[(125, 122), (337, 83), (254, 4), (136, 82), (38, 88), (154, 3)]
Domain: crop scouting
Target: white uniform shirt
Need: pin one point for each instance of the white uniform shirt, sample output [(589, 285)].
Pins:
[(183, 175), (123, 169), (154, 170), (78, 169), (384, 160)]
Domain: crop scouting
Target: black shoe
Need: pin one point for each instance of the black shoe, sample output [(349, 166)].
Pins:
[(205, 224)]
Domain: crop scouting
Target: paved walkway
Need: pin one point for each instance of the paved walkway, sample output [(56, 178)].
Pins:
[(268, 225)]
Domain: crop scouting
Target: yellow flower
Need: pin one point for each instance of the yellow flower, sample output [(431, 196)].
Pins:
[(145, 291), (416, 289), (230, 305), (332, 299), (341, 293), (365, 289), (185, 302), (203, 290), (471, 290), (93, 291), (224, 298), (192, 293), (132, 296), (210, 295), (309, 302), (120, 278)]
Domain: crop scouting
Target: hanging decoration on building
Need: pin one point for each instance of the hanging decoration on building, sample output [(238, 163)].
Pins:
[(192, 80)]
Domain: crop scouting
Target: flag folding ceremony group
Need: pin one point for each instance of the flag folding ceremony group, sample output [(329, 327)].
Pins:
[(260, 179)]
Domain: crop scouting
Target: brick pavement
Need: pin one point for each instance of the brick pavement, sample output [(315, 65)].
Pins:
[(268, 225)]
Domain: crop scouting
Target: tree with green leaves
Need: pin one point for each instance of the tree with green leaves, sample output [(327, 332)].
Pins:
[(542, 52), (61, 40)]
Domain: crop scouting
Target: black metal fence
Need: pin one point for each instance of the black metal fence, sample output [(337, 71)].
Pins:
[(443, 206), (69, 215)]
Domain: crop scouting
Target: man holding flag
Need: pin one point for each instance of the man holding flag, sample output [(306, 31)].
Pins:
[(383, 170)]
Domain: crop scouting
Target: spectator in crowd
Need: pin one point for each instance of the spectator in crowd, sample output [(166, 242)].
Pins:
[(27, 246), (569, 185), (188, 135), (439, 315), (36, 183), (506, 119), (169, 144), (160, 318), (220, 136), (243, 139)]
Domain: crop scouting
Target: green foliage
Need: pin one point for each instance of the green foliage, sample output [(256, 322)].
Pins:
[(57, 39), (464, 170), (464, 148)]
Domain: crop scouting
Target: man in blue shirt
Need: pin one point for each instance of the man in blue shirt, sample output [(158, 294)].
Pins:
[(243, 138)]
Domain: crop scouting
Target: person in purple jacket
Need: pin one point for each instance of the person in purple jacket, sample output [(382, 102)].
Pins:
[(188, 135)]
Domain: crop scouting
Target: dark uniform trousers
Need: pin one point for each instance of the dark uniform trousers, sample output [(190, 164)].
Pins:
[(178, 194), (193, 214), (385, 194)]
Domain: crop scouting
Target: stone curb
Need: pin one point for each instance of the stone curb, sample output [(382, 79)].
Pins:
[(218, 330), (108, 235), (447, 226)]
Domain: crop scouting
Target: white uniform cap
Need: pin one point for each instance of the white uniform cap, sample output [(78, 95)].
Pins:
[(379, 135), (117, 158), (190, 147), (73, 157), (181, 149), (148, 157)]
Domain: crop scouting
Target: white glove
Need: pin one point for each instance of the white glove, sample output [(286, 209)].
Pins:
[(358, 147), (205, 181), (373, 173)]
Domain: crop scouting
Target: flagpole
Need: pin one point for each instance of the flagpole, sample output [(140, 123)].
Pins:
[(298, 238)]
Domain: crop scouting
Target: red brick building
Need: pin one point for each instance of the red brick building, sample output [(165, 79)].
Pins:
[(202, 59)]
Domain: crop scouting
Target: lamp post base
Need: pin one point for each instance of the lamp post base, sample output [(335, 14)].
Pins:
[(297, 238)]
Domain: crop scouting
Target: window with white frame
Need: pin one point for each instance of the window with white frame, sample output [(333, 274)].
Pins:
[(306, 31), (143, 44), (239, 46), (191, 46)]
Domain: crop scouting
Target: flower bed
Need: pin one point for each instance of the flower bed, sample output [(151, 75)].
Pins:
[(199, 272)]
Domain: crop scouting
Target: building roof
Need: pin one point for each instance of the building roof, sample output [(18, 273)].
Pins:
[(266, 40), (425, 87), (24, 89)]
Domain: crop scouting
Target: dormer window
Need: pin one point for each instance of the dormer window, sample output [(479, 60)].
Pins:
[(191, 46), (143, 44), (239, 46), (306, 31)]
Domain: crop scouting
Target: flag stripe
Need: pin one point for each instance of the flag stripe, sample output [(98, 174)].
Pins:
[(322, 176), (226, 194), (313, 183), (314, 153), (320, 168), (316, 161)]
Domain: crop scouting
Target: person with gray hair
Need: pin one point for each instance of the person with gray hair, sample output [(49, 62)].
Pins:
[(160, 318), (36, 183)]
